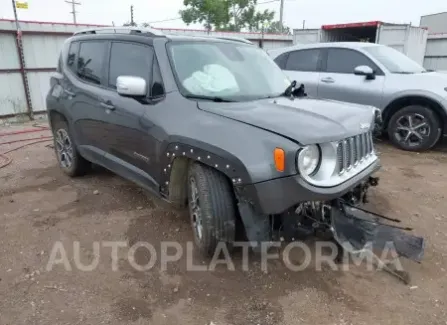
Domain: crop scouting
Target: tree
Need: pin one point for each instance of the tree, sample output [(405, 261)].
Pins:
[(277, 27), (255, 20), (228, 15), (127, 24), (211, 13)]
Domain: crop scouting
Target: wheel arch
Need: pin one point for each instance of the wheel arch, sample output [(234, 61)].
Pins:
[(178, 154), (54, 116), (407, 100)]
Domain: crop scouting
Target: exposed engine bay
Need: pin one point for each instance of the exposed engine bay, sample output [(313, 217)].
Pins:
[(353, 229), (309, 217)]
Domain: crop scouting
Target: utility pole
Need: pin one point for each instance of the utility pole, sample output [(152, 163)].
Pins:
[(73, 9), (281, 15), (15, 16), (22, 63), (132, 22)]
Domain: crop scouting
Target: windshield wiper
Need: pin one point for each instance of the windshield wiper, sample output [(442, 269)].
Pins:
[(404, 72), (293, 91), (289, 90), (216, 99)]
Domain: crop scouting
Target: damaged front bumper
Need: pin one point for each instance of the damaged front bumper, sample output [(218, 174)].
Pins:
[(290, 209), (278, 195)]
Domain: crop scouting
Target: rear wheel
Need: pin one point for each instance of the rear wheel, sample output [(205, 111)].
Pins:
[(414, 128), (212, 208), (70, 161)]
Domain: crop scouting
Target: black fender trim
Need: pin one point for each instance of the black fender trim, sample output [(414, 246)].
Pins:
[(205, 153)]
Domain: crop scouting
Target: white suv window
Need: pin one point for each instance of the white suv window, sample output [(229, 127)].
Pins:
[(303, 60), (345, 61)]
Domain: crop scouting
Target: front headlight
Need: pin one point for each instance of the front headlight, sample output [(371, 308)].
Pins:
[(309, 159)]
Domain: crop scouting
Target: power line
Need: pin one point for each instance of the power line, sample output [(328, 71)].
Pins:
[(73, 8), (161, 21), (177, 18)]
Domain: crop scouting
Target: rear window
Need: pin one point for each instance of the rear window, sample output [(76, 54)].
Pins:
[(73, 56)]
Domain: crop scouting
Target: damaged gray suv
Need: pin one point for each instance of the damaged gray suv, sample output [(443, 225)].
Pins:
[(214, 125)]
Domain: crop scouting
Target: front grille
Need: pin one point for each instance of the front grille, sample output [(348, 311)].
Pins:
[(353, 150)]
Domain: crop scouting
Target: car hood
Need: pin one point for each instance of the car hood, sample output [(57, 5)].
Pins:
[(305, 120)]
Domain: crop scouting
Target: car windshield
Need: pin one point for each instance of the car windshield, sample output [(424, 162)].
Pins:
[(225, 71), (393, 60)]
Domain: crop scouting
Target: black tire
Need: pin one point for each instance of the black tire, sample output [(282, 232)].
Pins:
[(79, 166), (430, 133), (217, 206)]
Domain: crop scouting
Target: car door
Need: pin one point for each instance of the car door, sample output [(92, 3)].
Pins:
[(338, 81), (303, 66), (130, 145), (84, 80)]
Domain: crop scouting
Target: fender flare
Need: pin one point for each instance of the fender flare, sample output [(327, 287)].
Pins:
[(427, 96), (202, 152)]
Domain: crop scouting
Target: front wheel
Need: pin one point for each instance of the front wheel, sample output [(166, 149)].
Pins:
[(414, 128), (212, 208)]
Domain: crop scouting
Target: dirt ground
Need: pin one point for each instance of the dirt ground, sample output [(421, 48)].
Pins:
[(40, 206)]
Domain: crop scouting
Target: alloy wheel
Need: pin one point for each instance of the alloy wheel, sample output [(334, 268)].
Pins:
[(64, 148), (412, 130), (196, 213)]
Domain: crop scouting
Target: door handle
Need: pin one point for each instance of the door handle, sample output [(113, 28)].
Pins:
[(69, 93), (107, 105), (328, 80)]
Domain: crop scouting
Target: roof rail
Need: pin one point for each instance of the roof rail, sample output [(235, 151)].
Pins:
[(121, 30)]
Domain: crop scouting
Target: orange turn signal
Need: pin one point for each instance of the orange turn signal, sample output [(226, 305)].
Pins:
[(280, 159)]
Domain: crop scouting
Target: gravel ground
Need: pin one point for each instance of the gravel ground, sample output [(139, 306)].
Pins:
[(40, 207)]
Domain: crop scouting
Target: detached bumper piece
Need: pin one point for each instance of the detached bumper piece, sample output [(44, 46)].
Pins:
[(358, 231), (361, 229)]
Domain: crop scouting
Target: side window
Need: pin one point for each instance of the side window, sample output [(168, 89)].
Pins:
[(91, 60), (72, 55), (157, 89), (303, 60), (128, 59), (59, 64), (345, 61), (282, 60)]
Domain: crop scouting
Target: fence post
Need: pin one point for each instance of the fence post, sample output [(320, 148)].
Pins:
[(19, 45)]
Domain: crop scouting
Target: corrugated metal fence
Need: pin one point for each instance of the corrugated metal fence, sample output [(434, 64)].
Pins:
[(436, 53), (24, 83), (28, 59)]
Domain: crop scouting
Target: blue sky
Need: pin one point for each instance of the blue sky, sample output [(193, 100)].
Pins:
[(314, 12)]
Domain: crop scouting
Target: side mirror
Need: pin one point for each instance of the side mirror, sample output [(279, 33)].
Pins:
[(364, 70), (131, 86)]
